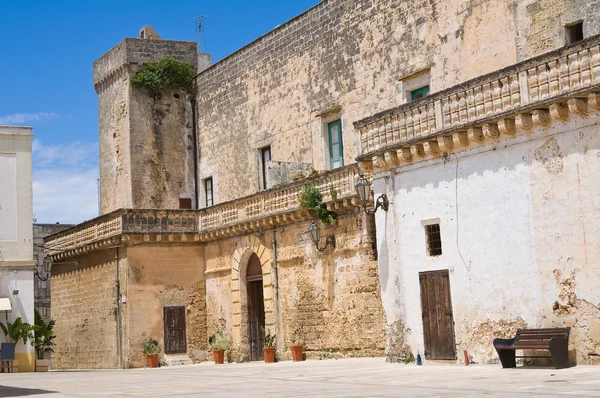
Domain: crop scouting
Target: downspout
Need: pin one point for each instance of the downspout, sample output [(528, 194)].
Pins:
[(276, 285), (195, 149), (118, 301)]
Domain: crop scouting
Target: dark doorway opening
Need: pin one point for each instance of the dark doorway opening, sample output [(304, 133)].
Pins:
[(174, 329), (436, 310), (256, 308)]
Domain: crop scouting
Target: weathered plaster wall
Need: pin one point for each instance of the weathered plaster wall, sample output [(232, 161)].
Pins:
[(146, 158), (16, 207), (158, 277), (84, 306), (519, 238), (346, 59)]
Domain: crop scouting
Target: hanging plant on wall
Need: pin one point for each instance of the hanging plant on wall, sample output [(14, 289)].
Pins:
[(311, 199), (164, 73)]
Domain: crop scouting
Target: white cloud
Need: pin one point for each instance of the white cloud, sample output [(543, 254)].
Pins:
[(21, 118), (64, 182)]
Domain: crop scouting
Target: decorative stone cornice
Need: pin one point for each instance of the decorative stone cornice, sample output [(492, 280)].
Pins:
[(264, 210), (533, 92)]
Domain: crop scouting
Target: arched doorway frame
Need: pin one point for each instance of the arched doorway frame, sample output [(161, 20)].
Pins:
[(245, 247)]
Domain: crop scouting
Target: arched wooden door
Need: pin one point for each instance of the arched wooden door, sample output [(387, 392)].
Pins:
[(256, 308)]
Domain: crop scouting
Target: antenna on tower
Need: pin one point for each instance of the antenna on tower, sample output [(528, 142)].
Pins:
[(199, 19)]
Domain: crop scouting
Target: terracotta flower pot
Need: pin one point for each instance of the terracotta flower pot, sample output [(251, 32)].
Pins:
[(269, 354), (152, 360), (219, 356), (296, 353)]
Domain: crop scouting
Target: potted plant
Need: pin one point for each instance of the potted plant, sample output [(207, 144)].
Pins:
[(269, 347), (14, 332), (219, 343), (151, 350), (296, 346), (43, 334)]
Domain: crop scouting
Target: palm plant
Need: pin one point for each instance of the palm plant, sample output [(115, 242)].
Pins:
[(43, 336), (17, 330)]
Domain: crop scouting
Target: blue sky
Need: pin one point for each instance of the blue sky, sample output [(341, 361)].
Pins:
[(46, 53)]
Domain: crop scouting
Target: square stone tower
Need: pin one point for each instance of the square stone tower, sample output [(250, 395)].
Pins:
[(146, 144)]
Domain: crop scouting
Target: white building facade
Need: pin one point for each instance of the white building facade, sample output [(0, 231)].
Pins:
[(494, 207), (16, 233)]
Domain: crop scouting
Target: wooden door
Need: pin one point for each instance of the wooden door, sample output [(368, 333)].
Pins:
[(174, 328), (436, 310), (256, 319)]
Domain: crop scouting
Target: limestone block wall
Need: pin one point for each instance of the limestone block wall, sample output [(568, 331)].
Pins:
[(546, 20), (330, 302), (519, 238), (346, 59), (146, 156), (84, 306), (163, 276)]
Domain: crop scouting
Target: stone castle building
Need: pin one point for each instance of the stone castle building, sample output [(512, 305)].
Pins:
[(476, 120)]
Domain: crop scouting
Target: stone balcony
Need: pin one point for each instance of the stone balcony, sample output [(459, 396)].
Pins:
[(261, 211), (533, 92)]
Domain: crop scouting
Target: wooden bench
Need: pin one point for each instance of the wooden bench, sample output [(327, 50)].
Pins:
[(555, 340)]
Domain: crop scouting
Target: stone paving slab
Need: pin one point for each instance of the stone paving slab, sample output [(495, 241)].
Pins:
[(364, 377)]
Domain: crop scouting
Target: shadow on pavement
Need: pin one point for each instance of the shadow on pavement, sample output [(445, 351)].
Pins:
[(6, 391)]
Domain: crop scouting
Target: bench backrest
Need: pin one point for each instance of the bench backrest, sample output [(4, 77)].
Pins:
[(540, 336)]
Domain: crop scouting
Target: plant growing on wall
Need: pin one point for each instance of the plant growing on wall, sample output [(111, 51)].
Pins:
[(164, 73), (269, 338), (43, 336), (311, 199)]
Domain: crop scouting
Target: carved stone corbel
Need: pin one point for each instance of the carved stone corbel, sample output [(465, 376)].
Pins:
[(524, 121), (578, 106), (594, 100), (541, 117), (559, 111), (507, 126), (446, 143), (475, 134), (431, 148), (461, 138), (491, 130)]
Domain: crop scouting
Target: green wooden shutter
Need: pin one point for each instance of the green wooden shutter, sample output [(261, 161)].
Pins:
[(419, 93), (336, 146)]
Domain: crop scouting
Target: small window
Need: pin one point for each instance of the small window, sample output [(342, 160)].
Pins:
[(265, 156), (185, 203), (574, 32), (336, 146), (434, 240), (208, 190), (419, 93)]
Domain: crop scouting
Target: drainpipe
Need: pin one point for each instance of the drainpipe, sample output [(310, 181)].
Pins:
[(118, 301), (195, 149), (276, 285)]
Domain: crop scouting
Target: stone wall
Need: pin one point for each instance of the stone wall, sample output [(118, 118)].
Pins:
[(329, 301), (42, 288), (158, 277), (146, 157), (84, 306), (346, 59)]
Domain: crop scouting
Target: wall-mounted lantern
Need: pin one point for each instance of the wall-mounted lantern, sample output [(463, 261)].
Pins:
[(363, 190), (315, 234), (47, 265)]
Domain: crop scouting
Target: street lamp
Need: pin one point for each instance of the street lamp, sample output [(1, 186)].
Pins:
[(315, 234), (363, 190), (47, 266)]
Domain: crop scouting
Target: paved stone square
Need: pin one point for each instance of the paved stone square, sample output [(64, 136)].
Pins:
[(367, 377)]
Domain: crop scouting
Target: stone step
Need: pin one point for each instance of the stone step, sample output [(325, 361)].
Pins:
[(177, 360)]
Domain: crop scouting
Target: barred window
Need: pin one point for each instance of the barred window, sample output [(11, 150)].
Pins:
[(434, 240)]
